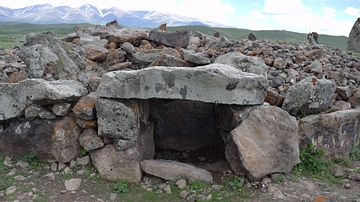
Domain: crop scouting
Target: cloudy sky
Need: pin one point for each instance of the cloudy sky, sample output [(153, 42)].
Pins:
[(332, 17)]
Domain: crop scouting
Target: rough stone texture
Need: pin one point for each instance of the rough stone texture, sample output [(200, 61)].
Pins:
[(274, 98), (61, 109), (89, 140), (133, 35), (65, 145), (183, 125), (117, 165), (249, 64), (95, 53), (264, 143), (85, 107), (46, 56), (309, 96), (22, 137), (353, 43), (230, 116), (118, 120), (173, 170), (72, 184), (216, 83), (179, 38), (17, 96), (335, 132)]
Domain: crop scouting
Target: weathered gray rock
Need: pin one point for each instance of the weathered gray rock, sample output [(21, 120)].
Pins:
[(47, 57), (228, 85), (117, 165), (61, 109), (224, 42), (123, 124), (22, 137), (196, 58), (17, 96), (264, 143), (65, 145), (179, 38), (183, 125), (334, 132), (245, 63), (142, 59), (353, 43), (89, 140), (72, 184), (309, 96), (133, 35), (172, 170)]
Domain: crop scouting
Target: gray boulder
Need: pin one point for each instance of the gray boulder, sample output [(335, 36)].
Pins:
[(47, 57), (353, 43), (117, 165), (172, 39), (23, 136), (264, 143), (335, 132), (245, 63), (172, 170), (17, 96), (216, 83), (309, 96)]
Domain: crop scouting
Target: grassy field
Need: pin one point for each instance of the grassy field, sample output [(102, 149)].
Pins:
[(12, 33)]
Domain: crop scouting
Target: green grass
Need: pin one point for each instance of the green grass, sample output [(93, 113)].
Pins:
[(13, 33)]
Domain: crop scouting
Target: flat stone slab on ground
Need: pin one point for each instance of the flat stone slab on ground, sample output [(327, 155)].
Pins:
[(173, 170)]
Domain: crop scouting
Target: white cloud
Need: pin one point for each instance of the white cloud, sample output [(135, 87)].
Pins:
[(352, 11), (329, 11), (281, 7)]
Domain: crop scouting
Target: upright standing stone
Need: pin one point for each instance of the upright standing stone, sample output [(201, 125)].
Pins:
[(264, 143), (353, 43)]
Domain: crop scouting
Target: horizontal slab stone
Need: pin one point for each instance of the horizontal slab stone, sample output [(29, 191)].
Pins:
[(214, 83), (15, 97), (173, 170)]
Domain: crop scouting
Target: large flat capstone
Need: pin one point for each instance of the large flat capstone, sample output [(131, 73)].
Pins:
[(214, 83)]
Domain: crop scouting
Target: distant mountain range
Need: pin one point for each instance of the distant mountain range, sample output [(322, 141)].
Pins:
[(48, 14)]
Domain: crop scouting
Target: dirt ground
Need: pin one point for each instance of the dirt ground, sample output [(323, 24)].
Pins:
[(42, 183)]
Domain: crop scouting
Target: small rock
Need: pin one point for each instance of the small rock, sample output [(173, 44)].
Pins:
[(183, 194), (22, 164), (354, 176), (80, 172), (30, 193), (190, 198), (305, 196), (7, 161), (279, 195), (158, 191), (67, 170), (61, 166), (12, 172), (181, 183), (83, 161), (73, 163), (50, 175), (54, 167), (72, 184), (10, 190), (113, 196), (19, 178), (217, 187), (62, 191), (168, 189), (347, 186)]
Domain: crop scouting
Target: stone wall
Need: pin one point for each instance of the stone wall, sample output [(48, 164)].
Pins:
[(119, 93)]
